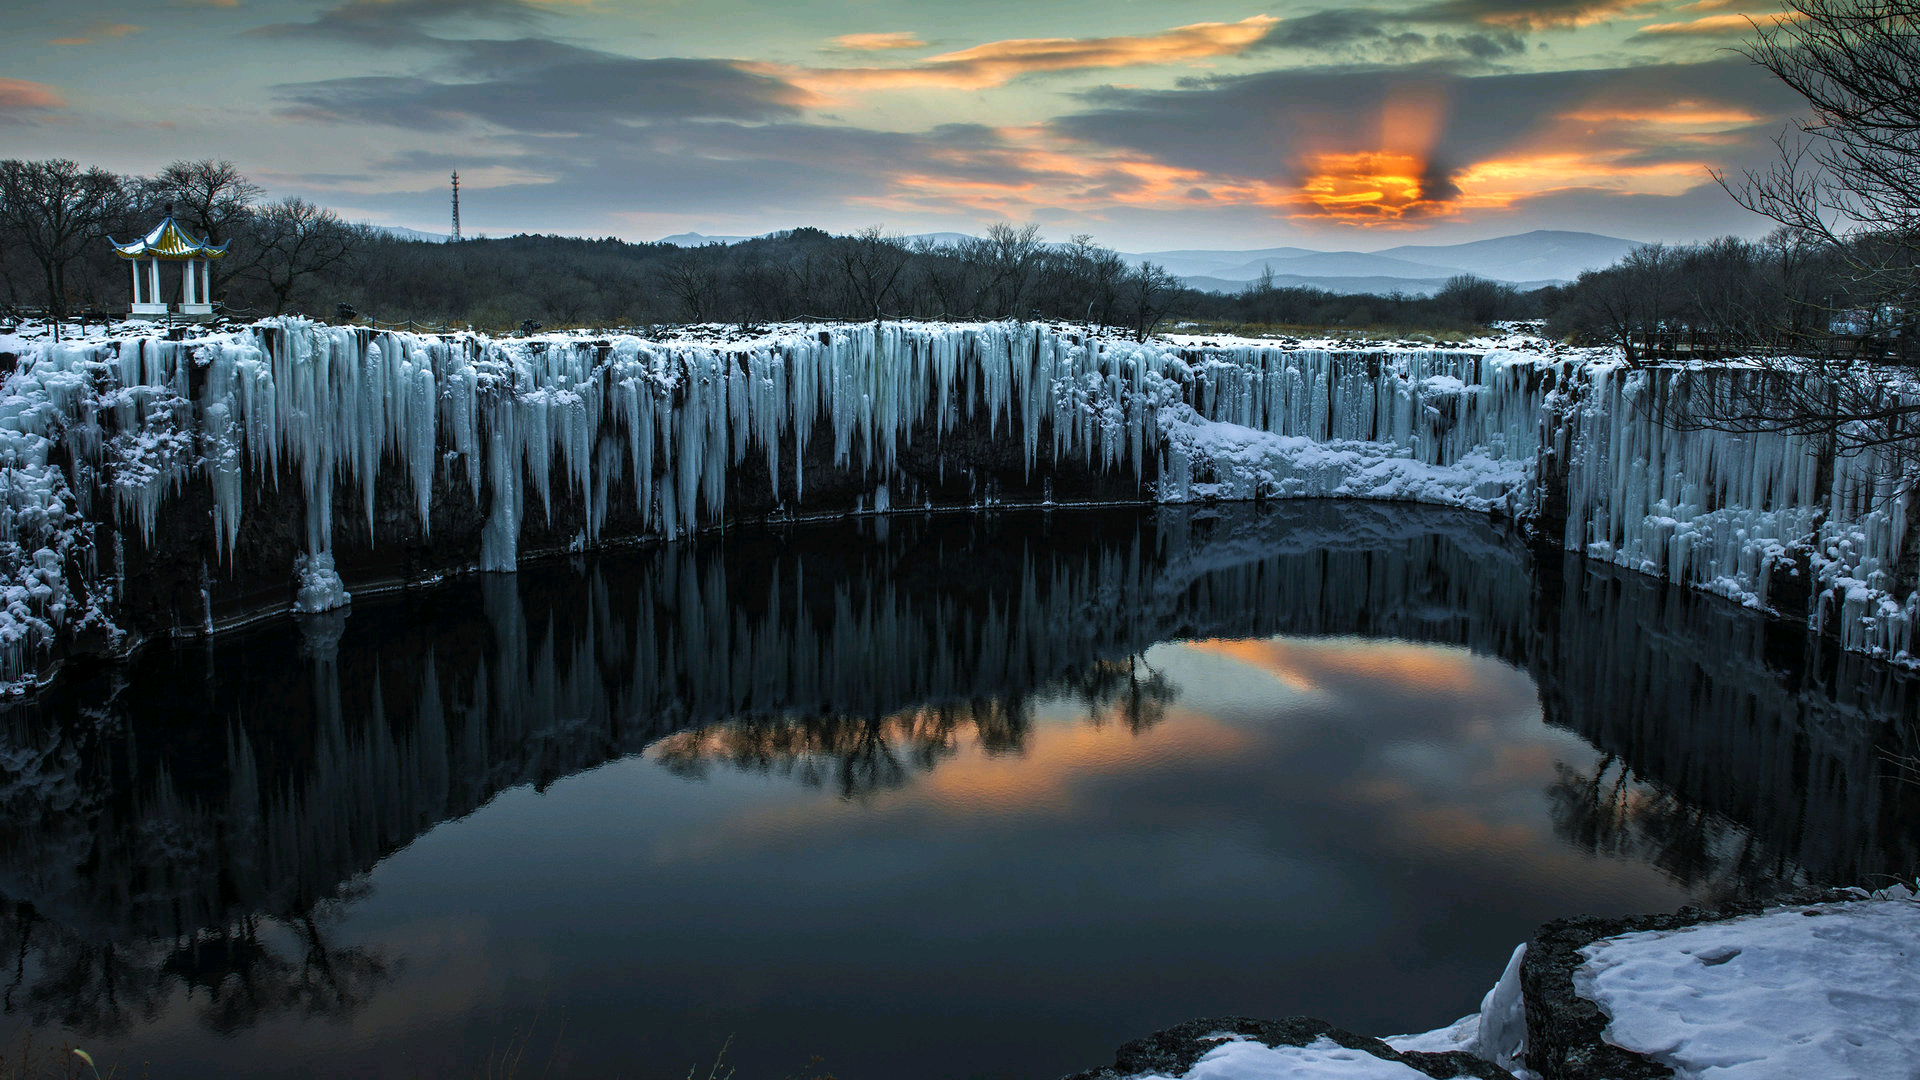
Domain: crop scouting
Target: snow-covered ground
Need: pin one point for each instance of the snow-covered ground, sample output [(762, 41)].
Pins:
[(1828, 991), (1322, 1059), (1825, 990)]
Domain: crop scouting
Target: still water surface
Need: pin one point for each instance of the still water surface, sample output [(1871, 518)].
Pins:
[(922, 798)]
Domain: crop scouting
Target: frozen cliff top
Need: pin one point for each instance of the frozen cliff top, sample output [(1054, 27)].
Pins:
[(30, 334), (566, 440), (1827, 990)]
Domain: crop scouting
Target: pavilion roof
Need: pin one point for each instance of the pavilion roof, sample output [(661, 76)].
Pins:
[(168, 240)]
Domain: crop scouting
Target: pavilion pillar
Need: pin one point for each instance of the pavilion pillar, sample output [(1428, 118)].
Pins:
[(153, 282), (135, 264), (188, 283)]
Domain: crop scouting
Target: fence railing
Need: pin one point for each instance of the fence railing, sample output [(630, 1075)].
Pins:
[(1707, 345)]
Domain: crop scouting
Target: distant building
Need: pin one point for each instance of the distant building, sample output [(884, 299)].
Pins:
[(168, 242)]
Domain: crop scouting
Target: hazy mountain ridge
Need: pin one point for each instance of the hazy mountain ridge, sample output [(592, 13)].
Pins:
[(1346, 285), (1526, 260)]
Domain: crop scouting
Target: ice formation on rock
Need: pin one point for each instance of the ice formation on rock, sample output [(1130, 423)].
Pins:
[(578, 436)]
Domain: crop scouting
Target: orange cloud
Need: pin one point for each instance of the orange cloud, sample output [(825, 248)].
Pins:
[(879, 41), (1713, 25), (1000, 62), (1564, 15), (21, 94), (96, 32), (1308, 663), (1056, 760), (1679, 114)]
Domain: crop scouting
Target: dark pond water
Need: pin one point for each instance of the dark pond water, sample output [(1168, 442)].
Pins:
[(943, 797)]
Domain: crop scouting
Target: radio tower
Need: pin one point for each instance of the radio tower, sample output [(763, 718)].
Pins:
[(456, 206)]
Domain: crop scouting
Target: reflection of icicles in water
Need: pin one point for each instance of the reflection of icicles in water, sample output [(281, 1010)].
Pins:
[(491, 448), (850, 658)]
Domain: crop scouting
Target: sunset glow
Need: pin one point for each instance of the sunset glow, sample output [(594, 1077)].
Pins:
[(1251, 126)]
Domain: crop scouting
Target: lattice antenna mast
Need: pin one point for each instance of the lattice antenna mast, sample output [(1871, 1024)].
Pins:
[(456, 206)]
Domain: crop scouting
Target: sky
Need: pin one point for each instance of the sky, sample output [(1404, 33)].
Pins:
[(1149, 126)]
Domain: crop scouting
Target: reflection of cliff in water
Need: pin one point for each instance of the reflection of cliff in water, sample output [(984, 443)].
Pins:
[(191, 821)]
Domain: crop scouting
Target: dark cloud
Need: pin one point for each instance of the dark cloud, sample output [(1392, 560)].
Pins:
[(1523, 14), (1327, 29), (396, 23), (1489, 46), (1368, 34), (544, 87), (786, 172)]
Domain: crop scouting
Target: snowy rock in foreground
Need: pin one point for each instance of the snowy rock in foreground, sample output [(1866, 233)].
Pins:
[(1241, 1059), (1827, 990), (1239, 1048)]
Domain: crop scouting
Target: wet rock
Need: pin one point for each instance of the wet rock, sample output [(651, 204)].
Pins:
[(1173, 1051)]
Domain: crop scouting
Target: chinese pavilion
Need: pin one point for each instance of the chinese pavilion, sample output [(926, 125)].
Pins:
[(168, 242)]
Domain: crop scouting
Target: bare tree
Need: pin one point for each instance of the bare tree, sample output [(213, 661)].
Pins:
[(870, 261), (1005, 260), (1847, 181), (1464, 296), (215, 200), (54, 209), (693, 278), (1620, 303), (1854, 166), (1145, 294), (942, 277), (760, 288), (298, 240)]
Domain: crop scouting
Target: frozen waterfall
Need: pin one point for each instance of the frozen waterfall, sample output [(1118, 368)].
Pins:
[(160, 486)]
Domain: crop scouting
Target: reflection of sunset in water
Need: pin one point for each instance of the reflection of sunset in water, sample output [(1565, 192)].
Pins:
[(1050, 771), (1314, 663), (1424, 755)]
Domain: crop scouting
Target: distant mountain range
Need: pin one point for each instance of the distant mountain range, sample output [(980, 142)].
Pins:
[(694, 239), (1379, 285), (1527, 261)]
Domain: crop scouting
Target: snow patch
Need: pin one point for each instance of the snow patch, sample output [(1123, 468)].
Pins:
[(1828, 990), (1321, 1059)]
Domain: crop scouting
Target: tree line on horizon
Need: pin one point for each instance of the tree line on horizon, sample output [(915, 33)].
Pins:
[(293, 256)]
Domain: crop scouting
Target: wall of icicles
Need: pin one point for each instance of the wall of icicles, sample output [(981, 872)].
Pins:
[(157, 486)]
